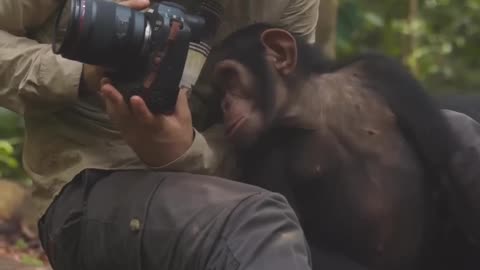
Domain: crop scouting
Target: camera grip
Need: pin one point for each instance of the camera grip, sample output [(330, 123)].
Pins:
[(159, 100), (158, 83)]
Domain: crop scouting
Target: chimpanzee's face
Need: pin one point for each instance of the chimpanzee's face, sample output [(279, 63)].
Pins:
[(243, 114), (253, 84)]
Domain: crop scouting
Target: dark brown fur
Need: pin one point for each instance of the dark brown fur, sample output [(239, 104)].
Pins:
[(356, 183), (363, 179)]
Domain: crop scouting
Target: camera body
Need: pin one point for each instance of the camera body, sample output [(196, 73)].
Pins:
[(146, 50)]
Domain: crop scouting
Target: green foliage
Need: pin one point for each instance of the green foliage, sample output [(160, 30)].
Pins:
[(21, 244), (440, 45), (11, 139), (27, 259), (30, 260)]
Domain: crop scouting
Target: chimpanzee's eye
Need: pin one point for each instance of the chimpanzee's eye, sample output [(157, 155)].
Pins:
[(227, 80), (217, 88)]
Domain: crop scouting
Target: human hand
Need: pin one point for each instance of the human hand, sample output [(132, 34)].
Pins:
[(91, 75), (156, 139)]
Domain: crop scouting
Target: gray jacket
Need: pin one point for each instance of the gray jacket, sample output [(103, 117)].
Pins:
[(151, 220), (465, 166)]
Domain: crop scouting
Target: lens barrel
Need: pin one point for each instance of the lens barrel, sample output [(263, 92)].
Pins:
[(100, 33)]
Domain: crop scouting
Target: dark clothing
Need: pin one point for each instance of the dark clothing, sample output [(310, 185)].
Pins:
[(144, 220), (466, 104), (458, 242), (465, 189)]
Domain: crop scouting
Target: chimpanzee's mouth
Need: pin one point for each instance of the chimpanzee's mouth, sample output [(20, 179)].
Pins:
[(232, 128)]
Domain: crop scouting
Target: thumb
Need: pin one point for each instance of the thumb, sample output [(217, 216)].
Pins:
[(136, 4), (182, 109)]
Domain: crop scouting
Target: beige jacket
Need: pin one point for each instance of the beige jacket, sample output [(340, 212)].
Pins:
[(65, 132)]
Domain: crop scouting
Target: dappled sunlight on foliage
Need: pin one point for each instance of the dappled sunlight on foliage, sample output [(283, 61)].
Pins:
[(439, 43)]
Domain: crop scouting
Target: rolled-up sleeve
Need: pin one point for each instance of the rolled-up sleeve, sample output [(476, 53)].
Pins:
[(297, 16), (301, 17), (262, 233), (30, 73), (209, 154), (199, 158)]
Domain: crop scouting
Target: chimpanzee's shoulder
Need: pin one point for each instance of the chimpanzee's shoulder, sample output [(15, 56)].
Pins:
[(376, 65)]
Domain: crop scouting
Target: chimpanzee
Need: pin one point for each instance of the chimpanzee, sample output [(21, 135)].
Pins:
[(358, 148)]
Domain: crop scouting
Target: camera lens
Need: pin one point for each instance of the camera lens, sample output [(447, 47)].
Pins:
[(100, 33)]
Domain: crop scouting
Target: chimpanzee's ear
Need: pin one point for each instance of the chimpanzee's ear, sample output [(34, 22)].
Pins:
[(282, 46)]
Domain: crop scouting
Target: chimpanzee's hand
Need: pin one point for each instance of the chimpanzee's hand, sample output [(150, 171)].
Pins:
[(91, 75), (157, 139)]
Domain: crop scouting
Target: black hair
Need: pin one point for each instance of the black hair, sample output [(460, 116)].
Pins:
[(246, 47)]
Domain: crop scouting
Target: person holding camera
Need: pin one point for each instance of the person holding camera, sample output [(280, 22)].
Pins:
[(67, 128), (74, 152)]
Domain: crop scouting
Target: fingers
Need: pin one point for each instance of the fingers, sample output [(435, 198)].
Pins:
[(136, 4), (116, 108), (140, 110), (182, 109), (111, 95), (119, 110), (104, 81)]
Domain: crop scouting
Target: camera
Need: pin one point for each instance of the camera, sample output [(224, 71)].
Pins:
[(146, 50)]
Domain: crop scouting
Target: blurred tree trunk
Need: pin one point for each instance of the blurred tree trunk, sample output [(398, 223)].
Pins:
[(412, 37), (327, 27)]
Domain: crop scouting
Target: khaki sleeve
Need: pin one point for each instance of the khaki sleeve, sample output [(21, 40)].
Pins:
[(210, 154), (20, 16), (301, 17), (297, 16), (31, 74)]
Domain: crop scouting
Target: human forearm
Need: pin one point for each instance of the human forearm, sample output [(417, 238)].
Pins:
[(18, 17), (30, 74)]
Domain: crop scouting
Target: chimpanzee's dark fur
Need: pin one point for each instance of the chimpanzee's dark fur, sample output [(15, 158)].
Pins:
[(284, 160)]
